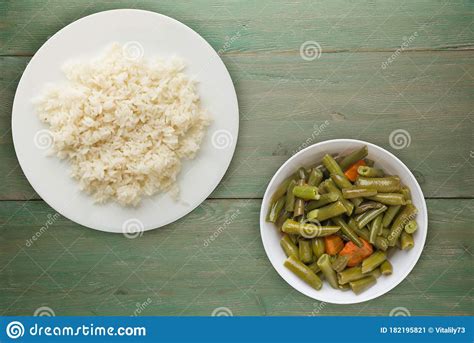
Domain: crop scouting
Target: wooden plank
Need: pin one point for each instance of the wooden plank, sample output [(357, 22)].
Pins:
[(287, 103), (77, 271), (262, 25)]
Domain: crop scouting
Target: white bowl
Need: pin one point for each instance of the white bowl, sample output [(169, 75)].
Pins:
[(402, 261)]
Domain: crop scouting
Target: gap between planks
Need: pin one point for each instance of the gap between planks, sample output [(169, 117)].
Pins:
[(447, 48)]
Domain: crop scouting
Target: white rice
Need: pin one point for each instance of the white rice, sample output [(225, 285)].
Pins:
[(124, 124)]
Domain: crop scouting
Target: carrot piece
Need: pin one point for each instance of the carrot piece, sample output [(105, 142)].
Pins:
[(356, 255), (333, 244), (351, 173)]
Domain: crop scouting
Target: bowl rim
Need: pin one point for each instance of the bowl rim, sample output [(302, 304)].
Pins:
[(422, 212)]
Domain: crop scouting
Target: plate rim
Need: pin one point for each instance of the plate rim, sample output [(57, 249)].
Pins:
[(232, 147)]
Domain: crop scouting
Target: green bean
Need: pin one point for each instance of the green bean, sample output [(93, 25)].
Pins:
[(281, 189), (381, 184), (369, 162), (311, 230), (346, 230), (314, 267), (386, 268), (291, 226), (343, 236), (361, 285), (303, 272), (315, 177), (373, 261), (411, 226), (275, 209), (385, 232), (375, 228), (324, 264), (368, 216), (406, 192), (341, 181), (322, 189), (406, 241), (350, 274), (354, 157), (307, 230), (367, 205), (353, 224), (306, 192), (318, 247), (302, 174), (375, 273), (357, 192), (369, 171), (299, 203), (332, 166), (406, 214), (324, 199), (288, 246), (294, 238), (331, 187), (306, 254), (340, 263), (389, 198), (328, 211), (390, 214), (380, 243), (290, 197), (322, 169)]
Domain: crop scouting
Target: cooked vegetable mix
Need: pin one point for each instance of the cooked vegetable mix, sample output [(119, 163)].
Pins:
[(341, 219)]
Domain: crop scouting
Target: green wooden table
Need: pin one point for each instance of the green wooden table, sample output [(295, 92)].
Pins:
[(384, 66)]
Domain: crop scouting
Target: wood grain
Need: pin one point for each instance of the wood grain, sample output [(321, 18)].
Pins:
[(78, 271), (290, 103), (262, 25)]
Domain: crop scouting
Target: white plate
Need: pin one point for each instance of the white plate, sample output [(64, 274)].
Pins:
[(157, 35), (402, 261)]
